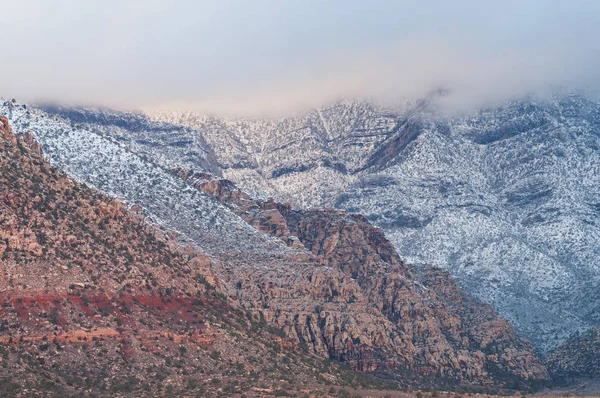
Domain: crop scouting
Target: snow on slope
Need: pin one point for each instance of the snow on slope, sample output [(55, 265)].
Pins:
[(284, 158), (507, 198), (178, 145), (510, 220), (110, 166)]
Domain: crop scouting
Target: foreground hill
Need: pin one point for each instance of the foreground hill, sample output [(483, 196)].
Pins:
[(326, 279), (95, 301), (506, 198)]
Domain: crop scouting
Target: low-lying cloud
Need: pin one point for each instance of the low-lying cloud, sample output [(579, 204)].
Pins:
[(409, 71), (275, 58)]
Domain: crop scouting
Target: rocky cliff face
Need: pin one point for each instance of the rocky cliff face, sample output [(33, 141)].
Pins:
[(356, 301), (578, 357), (95, 301), (505, 198)]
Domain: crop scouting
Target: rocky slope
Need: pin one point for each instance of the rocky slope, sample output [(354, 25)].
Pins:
[(363, 305), (97, 302), (332, 282), (578, 357), (506, 198)]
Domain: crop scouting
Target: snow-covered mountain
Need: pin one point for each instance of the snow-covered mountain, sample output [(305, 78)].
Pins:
[(506, 198), (179, 146), (95, 151)]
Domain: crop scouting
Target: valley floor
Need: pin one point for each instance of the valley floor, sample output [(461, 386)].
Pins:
[(580, 388), (584, 388)]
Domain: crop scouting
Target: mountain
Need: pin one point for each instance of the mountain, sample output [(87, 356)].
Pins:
[(97, 302), (328, 280), (505, 198)]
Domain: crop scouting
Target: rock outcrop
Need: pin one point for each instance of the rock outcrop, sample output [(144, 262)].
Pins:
[(5, 128)]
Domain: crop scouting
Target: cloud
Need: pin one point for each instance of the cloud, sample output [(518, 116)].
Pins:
[(280, 57), (409, 70)]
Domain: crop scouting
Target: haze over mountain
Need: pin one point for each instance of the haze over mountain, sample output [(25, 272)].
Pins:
[(272, 57)]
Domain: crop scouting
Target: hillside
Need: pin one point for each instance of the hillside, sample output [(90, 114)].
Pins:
[(110, 165), (364, 306)]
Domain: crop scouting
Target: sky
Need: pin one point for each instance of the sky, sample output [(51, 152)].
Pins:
[(259, 56)]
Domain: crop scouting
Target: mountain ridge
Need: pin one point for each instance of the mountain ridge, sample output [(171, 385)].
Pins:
[(413, 303)]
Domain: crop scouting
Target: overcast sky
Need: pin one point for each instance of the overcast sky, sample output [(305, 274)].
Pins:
[(277, 56)]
